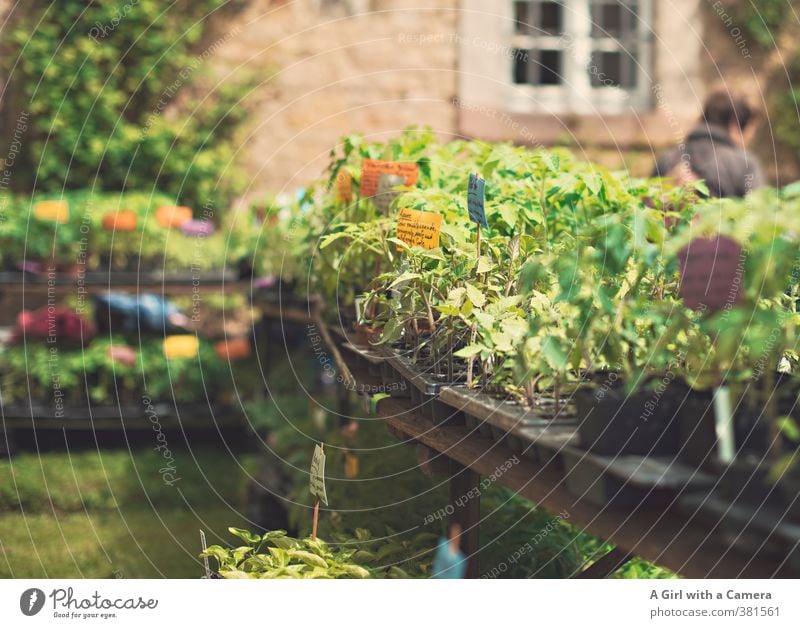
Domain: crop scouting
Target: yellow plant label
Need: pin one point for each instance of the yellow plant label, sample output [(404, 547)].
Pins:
[(372, 169), (54, 211), (183, 346), (417, 228), (344, 186), (350, 466)]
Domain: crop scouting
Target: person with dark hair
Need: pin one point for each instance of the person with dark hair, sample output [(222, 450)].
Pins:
[(714, 149)]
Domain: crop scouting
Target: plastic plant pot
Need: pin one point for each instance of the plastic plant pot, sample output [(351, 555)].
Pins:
[(612, 422)]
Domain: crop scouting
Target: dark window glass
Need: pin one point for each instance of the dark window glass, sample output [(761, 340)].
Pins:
[(521, 67), (549, 67), (537, 67), (613, 69), (613, 19), (522, 17), (550, 18)]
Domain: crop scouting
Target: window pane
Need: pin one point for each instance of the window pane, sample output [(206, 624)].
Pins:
[(521, 66), (522, 17), (550, 67), (550, 18), (614, 19), (537, 67), (613, 69)]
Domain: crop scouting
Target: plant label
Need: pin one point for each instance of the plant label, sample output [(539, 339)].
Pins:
[(712, 272), (123, 220), (317, 479), (344, 186), (476, 200), (350, 466), (204, 547), (386, 192), (183, 346), (417, 228), (52, 211), (170, 216), (372, 169), (723, 420)]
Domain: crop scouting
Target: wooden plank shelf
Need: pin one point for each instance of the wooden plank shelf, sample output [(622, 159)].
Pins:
[(662, 530), (110, 283), (41, 416), (666, 537)]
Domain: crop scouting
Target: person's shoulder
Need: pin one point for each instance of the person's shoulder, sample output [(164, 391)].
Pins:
[(666, 162)]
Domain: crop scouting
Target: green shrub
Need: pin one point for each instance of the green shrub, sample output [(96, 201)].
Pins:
[(97, 79)]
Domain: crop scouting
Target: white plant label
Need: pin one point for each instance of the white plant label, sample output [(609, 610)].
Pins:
[(726, 445)]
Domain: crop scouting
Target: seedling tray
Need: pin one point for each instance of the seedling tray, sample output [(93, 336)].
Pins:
[(506, 422), (424, 390)]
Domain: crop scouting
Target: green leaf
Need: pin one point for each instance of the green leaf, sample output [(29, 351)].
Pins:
[(789, 427), (362, 534), (330, 239), (374, 399), (404, 277), (484, 265), (508, 213), (469, 351), (356, 571), (476, 297), (245, 535), (396, 572), (554, 353), (309, 558), (364, 557)]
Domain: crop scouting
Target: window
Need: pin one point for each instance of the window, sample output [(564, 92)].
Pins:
[(581, 55)]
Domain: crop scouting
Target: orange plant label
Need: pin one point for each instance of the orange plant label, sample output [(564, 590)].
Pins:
[(372, 169), (54, 211), (170, 216), (417, 228)]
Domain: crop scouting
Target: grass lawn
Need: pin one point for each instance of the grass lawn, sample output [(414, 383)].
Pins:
[(108, 513)]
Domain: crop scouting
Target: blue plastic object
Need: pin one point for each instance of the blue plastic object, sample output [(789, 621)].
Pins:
[(448, 564)]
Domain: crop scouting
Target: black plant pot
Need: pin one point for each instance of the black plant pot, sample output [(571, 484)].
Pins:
[(643, 423), (697, 429), (696, 432)]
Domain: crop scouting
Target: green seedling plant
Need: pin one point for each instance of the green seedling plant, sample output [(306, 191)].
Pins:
[(275, 555)]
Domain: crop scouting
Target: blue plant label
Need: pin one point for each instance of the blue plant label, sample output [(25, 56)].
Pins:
[(476, 200), (448, 564)]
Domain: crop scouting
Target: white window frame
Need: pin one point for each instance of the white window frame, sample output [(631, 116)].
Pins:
[(576, 93)]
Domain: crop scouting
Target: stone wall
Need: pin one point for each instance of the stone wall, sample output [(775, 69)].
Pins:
[(335, 67)]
